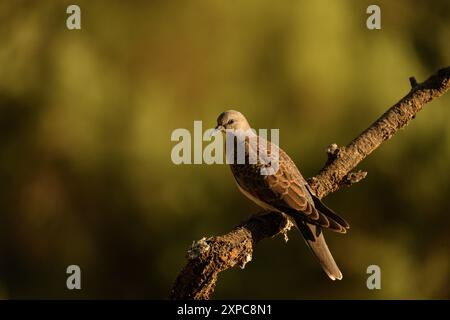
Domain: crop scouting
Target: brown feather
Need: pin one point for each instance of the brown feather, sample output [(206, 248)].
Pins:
[(286, 190)]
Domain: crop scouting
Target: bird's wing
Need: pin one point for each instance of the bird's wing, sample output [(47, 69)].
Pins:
[(286, 190)]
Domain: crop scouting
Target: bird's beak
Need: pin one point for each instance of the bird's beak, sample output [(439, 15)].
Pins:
[(217, 130)]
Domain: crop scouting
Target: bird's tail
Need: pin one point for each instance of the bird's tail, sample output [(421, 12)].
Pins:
[(314, 238)]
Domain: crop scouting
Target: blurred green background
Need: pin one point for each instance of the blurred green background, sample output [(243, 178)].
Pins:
[(86, 117)]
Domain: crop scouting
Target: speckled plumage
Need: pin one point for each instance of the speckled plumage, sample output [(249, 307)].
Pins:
[(286, 190)]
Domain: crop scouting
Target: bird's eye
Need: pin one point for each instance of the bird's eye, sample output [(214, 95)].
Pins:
[(230, 121)]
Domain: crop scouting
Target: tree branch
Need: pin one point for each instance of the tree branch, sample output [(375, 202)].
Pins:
[(208, 257), (346, 158)]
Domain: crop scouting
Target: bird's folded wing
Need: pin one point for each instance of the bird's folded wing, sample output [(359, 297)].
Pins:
[(291, 195)]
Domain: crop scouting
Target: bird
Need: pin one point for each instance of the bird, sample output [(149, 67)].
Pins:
[(283, 190)]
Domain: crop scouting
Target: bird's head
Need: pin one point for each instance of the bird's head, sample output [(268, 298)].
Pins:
[(231, 120)]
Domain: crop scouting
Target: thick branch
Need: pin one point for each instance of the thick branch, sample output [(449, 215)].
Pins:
[(347, 158), (208, 257)]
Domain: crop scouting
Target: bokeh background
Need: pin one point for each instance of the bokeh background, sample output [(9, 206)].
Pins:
[(86, 117)]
